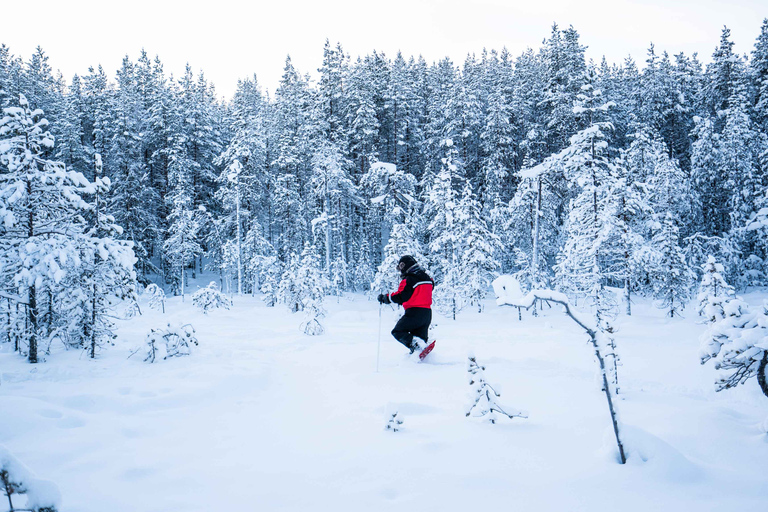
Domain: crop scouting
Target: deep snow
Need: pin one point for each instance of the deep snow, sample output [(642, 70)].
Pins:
[(263, 417)]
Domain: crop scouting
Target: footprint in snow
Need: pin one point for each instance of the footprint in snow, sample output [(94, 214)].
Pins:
[(50, 413), (71, 423)]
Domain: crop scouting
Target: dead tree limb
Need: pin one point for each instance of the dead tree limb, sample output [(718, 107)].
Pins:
[(594, 335)]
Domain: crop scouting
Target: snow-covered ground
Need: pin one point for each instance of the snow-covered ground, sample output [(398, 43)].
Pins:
[(262, 417)]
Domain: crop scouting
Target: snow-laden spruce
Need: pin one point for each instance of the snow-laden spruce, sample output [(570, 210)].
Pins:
[(483, 397), (210, 298), (714, 292), (303, 287), (671, 275), (59, 256), (16, 480)]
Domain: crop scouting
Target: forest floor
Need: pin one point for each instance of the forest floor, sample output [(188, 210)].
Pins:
[(263, 417)]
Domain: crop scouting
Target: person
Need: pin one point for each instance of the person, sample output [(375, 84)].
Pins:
[(415, 295)]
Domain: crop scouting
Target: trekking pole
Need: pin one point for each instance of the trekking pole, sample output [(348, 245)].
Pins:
[(378, 343)]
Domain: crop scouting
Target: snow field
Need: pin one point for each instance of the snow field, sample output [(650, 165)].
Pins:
[(262, 417)]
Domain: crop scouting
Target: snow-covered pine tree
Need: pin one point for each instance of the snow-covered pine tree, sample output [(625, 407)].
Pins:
[(483, 397), (332, 191), (313, 312), (390, 195), (714, 292), (479, 249), (443, 231), (182, 245), (672, 278), (287, 289), (302, 281), (105, 276), (41, 209), (311, 286), (533, 226), (586, 164), (628, 251), (243, 184), (362, 272), (133, 201), (262, 266)]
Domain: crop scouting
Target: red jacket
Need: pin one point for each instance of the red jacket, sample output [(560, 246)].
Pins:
[(415, 290)]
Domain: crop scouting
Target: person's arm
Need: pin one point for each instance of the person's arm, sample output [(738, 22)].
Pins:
[(404, 292)]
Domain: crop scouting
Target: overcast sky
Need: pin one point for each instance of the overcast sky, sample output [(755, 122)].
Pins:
[(231, 39)]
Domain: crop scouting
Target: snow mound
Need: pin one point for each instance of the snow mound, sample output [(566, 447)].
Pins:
[(507, 287), (656, 456), (40, 494)]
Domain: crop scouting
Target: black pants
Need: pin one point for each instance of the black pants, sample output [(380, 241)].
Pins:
[(415, 322)]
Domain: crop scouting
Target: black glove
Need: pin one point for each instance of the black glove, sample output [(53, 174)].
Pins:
[(384, 299)]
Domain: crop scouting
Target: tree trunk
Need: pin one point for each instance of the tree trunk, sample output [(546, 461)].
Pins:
[(761, 373), (32, 316), (239, 248), (627, 297), (93, 324)]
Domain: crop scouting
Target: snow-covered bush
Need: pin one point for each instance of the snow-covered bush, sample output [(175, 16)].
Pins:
[(210, 298), (171, 341), (483, 396), (314, 311), (16, 479), (738, 343), (713, 291), (393, 424), (156, 297)]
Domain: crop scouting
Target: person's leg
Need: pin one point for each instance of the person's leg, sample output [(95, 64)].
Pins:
[(403, 327), (425, 318)]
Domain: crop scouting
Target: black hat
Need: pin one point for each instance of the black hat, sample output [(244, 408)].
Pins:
[(408, 260)]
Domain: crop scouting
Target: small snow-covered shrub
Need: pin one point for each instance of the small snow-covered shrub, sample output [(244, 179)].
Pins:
[(314, 311), (483, 396), (393, 425), (16, 479), (210, 298), (156, 297), (172, 341), (714, 291)]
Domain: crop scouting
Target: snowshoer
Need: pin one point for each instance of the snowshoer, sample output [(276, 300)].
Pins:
[(415, 295)]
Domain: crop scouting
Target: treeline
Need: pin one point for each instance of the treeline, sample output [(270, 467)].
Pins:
[(637, 175)]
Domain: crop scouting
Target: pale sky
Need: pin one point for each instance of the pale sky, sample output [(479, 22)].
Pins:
[(231, 39)]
